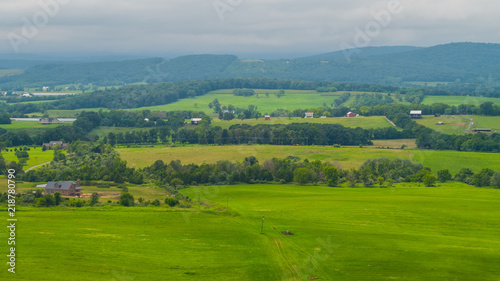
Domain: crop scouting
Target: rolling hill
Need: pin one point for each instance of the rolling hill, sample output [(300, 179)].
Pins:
[(465, 62)]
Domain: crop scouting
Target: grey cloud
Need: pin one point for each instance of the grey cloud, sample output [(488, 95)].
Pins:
[(253, 26)]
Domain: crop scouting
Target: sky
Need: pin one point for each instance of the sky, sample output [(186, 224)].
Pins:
[(239, 26)]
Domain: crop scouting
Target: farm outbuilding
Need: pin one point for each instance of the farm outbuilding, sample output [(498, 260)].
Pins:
[(351, 114), (309, 115), (416, 114), (267, 117), (195, 121)]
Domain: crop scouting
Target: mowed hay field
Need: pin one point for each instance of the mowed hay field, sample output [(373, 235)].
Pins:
[(338, 234), (345, 157), (363, 122), (458, 100)]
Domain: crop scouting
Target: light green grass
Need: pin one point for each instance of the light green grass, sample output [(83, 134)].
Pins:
[(37, 156), (136, 244), (346, 157), (21, 125), (363, 122), (458, 100), (343, 234), (460, 123), (456, 125), (372, 234), (292, 100), (486, 122)]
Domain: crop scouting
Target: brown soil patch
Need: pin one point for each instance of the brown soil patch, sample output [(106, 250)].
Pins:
[(459, 124)]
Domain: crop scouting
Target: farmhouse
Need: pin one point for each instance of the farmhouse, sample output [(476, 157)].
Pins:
[(309, 115), (267, 117), (67, 188), (195, 121), (48, 121), (350, 114), (416, 114), (53, 144)]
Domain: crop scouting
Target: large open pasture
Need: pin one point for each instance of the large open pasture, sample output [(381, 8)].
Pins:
[(338, 234), (458, 100), (345, 157), (363, 122), (293, 99)]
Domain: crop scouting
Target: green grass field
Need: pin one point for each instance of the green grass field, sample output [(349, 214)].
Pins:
[(363, 122), (37, 156), (292, 100), (460, 123), (458, 100), (338, 234), (21, 125), (346, 157)]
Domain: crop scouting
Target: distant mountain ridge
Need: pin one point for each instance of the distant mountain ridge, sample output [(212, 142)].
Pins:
[(466, 62)]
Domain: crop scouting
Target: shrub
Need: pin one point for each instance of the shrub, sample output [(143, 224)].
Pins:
[(172, 202), (126, 199), (429, 180)]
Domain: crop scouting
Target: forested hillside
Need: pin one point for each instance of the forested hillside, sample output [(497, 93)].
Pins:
[(464, 63)]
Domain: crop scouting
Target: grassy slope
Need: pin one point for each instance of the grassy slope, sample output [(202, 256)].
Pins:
[(351, 234), (363, 122), (345, 157), (136, 244), (381, 234), (458, 100)]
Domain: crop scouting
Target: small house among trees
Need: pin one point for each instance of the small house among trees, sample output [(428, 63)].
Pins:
[(67, 188), (351, 114), (416, 114), (54, 144), (309, 115), (267, 117)]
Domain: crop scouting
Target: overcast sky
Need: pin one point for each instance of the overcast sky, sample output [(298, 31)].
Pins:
[(240, 26)]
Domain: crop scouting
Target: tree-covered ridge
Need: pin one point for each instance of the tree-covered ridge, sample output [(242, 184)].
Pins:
[(472, 64)]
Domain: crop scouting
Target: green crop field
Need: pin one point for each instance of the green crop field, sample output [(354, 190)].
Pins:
[(363, 122), (458, 100), (338, 234), (346, 157)]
